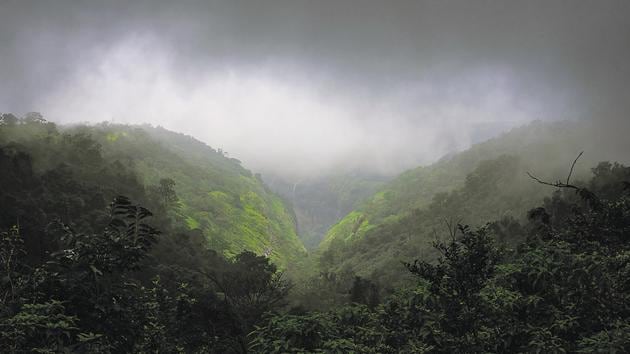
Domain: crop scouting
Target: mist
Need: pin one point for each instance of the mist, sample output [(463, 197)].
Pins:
[(298, 88)]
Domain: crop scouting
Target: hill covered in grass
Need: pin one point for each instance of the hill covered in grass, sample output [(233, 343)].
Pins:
[(214, 194), (320, 202), (484, 183)]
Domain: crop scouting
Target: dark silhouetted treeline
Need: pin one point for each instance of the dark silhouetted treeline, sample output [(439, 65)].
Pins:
[(80, 273)]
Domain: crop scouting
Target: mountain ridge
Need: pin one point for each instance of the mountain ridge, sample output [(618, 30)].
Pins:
[(230, 206), (399, 222)]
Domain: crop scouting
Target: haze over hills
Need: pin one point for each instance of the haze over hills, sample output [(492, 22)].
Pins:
[(320, 202), (323, 199), (300, 176), (233, 209), (315, 88), (484, 183), (215, 195)]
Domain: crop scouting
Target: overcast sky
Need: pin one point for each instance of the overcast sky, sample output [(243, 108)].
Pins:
[(305, 87)]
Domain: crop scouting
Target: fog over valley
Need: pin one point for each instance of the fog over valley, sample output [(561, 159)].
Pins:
[(314, 176), (301, 89)]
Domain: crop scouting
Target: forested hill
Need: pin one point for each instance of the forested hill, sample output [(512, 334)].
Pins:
[(202, 188), (484, 183), (106, 234), (322, 201)]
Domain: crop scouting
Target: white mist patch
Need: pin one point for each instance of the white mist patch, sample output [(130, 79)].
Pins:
[(290, 124)]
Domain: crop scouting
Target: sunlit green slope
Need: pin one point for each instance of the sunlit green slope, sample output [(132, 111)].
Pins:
[(321, 201), (217, 196), (232, 207), (486, 182)]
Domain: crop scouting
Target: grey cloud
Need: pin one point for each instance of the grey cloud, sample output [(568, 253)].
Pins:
[(386, 64)]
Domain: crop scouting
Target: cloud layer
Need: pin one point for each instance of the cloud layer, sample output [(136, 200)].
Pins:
[(301, 87)]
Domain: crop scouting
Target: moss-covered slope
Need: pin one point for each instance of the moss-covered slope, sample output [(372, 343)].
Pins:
[(216, 195), (232, 207), (484, 183)]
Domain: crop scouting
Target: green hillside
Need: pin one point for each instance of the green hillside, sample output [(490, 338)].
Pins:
[(109, 234), (320, 202), (216, 195), (484, 183)]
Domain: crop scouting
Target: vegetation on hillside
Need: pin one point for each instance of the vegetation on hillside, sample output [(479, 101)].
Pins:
[(563, 288), (135, 239), (320, 202), (81, 274), (215, 195), (486, 183)]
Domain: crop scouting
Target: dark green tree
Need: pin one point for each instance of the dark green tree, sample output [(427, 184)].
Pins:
[(167, 191)]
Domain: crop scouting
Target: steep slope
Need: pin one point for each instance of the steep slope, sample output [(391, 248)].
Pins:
[(216, 195), (233, 208), (321, 202), (486, 182)]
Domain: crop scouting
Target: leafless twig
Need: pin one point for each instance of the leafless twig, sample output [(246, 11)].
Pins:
[(572, 166), (556, 184), (559, 184), (452, 228)]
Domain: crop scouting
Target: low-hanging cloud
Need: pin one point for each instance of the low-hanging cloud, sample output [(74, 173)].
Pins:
[(293, 127), (300, 88)]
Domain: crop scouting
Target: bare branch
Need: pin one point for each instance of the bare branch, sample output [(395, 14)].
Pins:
[(539, 181), (449, 228), (557, 184), (452, 225), (572, 166)]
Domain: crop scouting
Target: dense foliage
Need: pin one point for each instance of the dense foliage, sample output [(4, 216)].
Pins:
[(321, 201), (484, 183), (232, 209), (82, 275), (563, 289), (91, 295), (165, 268)]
